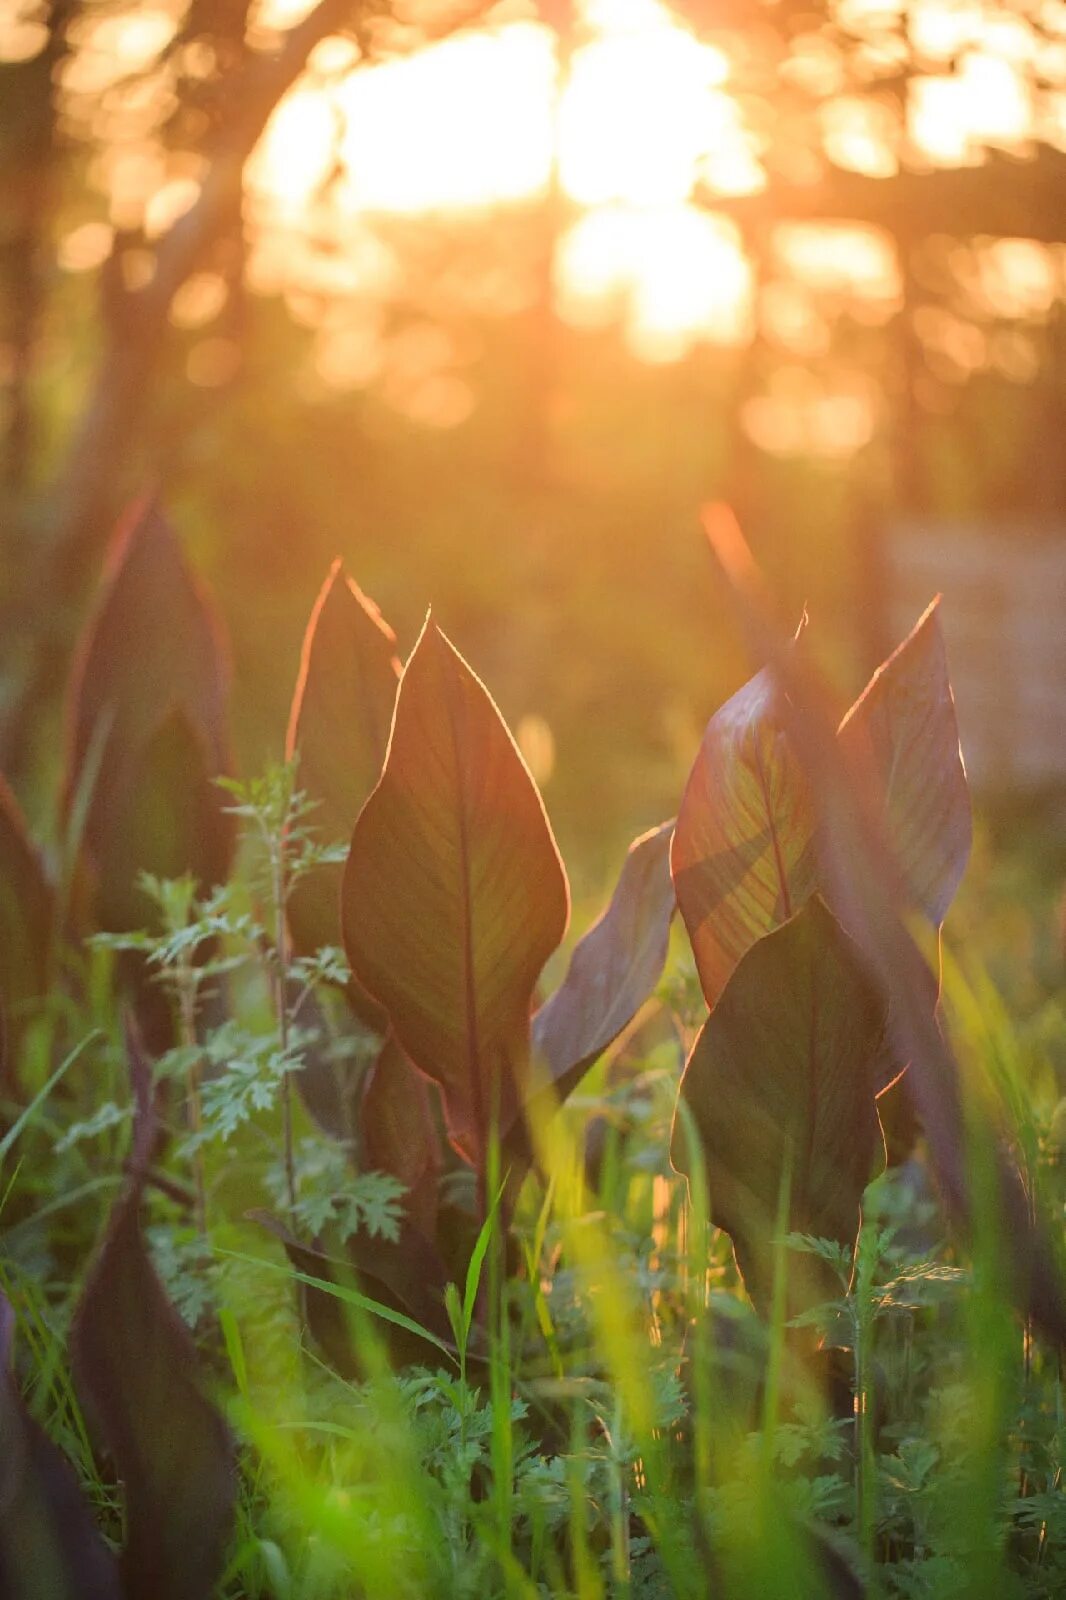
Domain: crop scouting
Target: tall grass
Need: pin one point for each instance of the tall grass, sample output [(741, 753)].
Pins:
[(612, 1420)]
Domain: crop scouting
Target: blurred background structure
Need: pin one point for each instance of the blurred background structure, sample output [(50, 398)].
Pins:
[(489, 298)]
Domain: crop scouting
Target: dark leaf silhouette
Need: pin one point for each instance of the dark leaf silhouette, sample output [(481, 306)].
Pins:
[(399, 1132), (780, 1082), (149, 691), (869, 890), (454, 894), (168, 821), (50, 1548), (135, 1367), (26, 912), (338, 733)]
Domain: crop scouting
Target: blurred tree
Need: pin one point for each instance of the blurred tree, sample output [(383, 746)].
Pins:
[(939, 128), (207, 90), (346, 418), (28, 150), (943, 127), (139, 279)]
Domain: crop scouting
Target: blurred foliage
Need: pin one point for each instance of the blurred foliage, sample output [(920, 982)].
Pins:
[(404, 390)]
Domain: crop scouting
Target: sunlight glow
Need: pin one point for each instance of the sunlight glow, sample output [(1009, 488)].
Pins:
[(466, 123), (671, 276), (632, 123), (296, 153), (643, 122), (841, 258), (477, 121), (799, 415), (639, 115), (953, 118)]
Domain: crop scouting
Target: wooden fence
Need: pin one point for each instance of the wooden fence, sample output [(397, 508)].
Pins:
[(1004, 617)]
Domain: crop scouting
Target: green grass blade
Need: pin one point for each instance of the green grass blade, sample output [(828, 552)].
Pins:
[(350, 1297), (28, 1112)]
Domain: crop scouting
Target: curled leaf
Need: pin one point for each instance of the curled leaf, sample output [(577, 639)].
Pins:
[(454, 894)]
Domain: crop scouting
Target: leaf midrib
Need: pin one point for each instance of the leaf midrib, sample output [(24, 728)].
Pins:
[(473, 1043)]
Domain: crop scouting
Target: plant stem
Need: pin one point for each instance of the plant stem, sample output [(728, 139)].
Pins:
[(862, 1329), (620, 1548), (281, 972), (187, 1031)]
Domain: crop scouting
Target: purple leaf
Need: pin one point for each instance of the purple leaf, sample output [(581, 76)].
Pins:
[(613, 969), (136, 1371), (780, 1081), (50, 1548), (338, 733), (454, 894), (903, 731), (26, 911), (147, 708), (742, 856), (399, 1132), (869, 891)]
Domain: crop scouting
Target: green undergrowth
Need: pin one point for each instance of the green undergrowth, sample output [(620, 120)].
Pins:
[(610, 1416), (364, 1233)]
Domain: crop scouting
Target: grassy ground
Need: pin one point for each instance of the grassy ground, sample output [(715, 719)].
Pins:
[(609, 1416)]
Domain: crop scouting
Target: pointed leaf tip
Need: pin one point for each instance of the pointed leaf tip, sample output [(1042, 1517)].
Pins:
[(338, 732), (742, 855), (152, 651), (902, 736), (454, 894), (745, 855)]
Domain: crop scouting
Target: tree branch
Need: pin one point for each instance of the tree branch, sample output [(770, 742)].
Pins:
[(1006, 196)]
